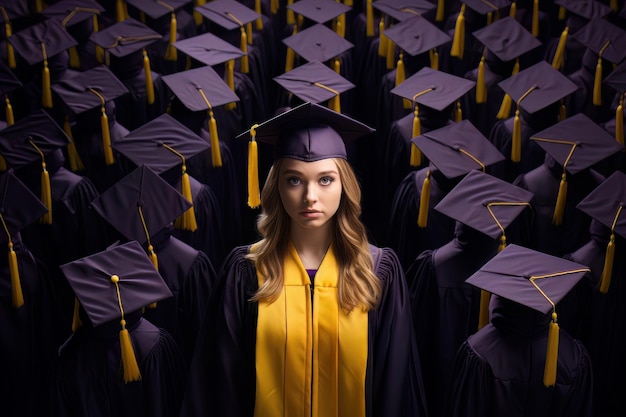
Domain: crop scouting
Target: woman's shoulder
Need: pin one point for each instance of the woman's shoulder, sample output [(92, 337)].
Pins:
[(386, 263)]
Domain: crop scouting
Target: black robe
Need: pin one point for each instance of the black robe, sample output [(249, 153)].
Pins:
[(498, 371), (88, 379), (223, 373)]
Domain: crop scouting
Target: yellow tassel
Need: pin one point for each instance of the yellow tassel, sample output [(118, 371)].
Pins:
[(172, 54), (417, 126), (513, 10), (458, 113), (230, 74), (187, 220), (552, 354), (148, 73), (607, 271), (502, 244), (291, 17), (505, 108), (422, 216), (10, 51), (3, 164), (400, 73), (489, 18), (96, 26), (619, 122), (369, 11), (515, 67), (197, 17), (8, 112), (274, 6), (562, 13), (337, 66), (17, 297), (341, 25), (335, 103), (391, 54), (516, 143), (416, 153), (153, 257), (245, 68), (99, 54), (559, 208), (562, 111), (129, 360), (483, 313), (119, 10), (39, 6), (46, 91), (614, 5), (106, 138), (481, 88), (434, 59), (289, 59), (216, 154), (382, 39), (76, 321), (458, 42), (254, 194), (597, 84), (46, 195), (557, 61), (249, 33), (259, 20), (349, 3), (76, 164), (441, 9), (74, 59), (535, 23)]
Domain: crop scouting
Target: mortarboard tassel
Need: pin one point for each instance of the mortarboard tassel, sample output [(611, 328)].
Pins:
[(96, 25), (230, 74), (259, 20), (337, 66), (619, 121), (513, 9), (254, 195), (614, 5), (489, 18), (39, 6), (340, 26), (559, 55), (481, 88), (290, 57), (369, 11), (422, 216), (3, 164), (607, 271), (121, 12), (153, 257), (46, 194), (382, 39), (249, 33), (458, 42), (562, 13), (245, 68), (151, 253), (562, 111), (8, 112), (335, 103), (434, 59), (46, 91), (129, 360), (76, 321), (516, 143), (458, 112), (535, 22), (274, 6), (483, 312), (505, 108), (441, 10), (549, 372), (76, 164), (416, 153), (74, 59), (391, 54), (17, 297), (597, 80), (559, 209), (106, 137), (171, 54), (502, 244), (400, 73), (148, 73), (8, 32), (290, 16), (216, 154), (187, 221), (515, 67)]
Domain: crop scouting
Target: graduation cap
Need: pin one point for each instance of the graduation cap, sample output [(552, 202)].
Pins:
[(230, 14), (605, 204), (319, 11), (617, 81), (533, 279), (165, 144), (533, 89), (11, 10), (607, 41), (455, 150), (202, 89), (8, 83), (479, 7), (315, 82), (28, 142), (78, 17), (576, 144), (402, 10), (39, 43), (19, 207), (86, 91), (506, 40), (140, 205), (317, 43), (112, 284), (309, 132), (415, 36)]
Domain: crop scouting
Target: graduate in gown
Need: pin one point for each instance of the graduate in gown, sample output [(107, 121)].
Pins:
[(142, 207), (335, 363), (117, 363), (515, 366), (446, 310)]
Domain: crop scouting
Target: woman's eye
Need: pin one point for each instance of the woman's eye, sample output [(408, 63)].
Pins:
[(293, 181), (326, 180)]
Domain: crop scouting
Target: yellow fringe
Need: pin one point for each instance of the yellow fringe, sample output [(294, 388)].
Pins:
[(505, 108), (391, 54), (516, 143), (483, 313), (458, 113), (458, 42), (171, 54), (535, 23), (10, 51), (148, 73), (254, 194), (434, 59), (559, 209), (400, 73), (46, 195), (8, 112), (230, 74), (337, 66), (441, 9), (76, 321), (17, 297), (74, 59), (549, 372), (607, 271), (382, 42), (335, 103), (46, 91), (259, 20), (422, 216), (120, 10), (369, 12), (559, 55), (416, 156), (597, 84), (244, 67), (216, 154), (513, 10), (106, 138), (619, 122), (129, 360), (481, 88), (187, 220), (562, 111), (76, 164)]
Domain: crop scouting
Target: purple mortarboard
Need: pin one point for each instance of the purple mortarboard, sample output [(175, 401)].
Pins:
[(208, 49), (309, 132), (319, 11), (402, 10), (507, 39), (483, 7), (229, 14), (8, 84), (318, 43), (78, 17), (156, 9), (587, 9), (535, 280), (416, 35), (19, 207), (315, 82), (140, 205), (617, 81), (485, 203), (112, 284), (122, 39)]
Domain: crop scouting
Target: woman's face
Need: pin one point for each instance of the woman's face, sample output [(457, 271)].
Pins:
[(310, 191)]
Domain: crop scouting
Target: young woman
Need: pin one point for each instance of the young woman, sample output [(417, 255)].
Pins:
[(311, 320)]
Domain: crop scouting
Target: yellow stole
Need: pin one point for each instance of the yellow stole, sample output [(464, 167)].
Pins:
[(310, 354)]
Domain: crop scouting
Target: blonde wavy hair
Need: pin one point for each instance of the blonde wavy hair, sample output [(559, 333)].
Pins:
[(358, 286)]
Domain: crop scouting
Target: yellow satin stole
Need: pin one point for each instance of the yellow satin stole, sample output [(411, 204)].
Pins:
[(311, 357)]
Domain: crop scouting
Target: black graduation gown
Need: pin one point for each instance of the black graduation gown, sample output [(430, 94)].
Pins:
[(544, 182), (483, 115), (223, 373), (404, 236), (498, 371), (445, 308), (89, 381), (133, 109)]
